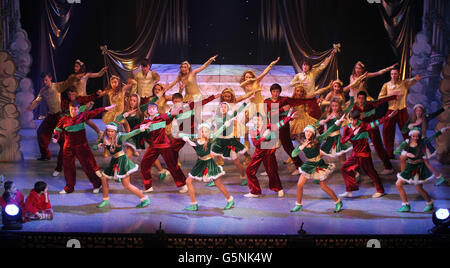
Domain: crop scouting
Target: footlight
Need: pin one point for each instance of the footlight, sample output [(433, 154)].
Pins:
[(441, 218), (11, 217)]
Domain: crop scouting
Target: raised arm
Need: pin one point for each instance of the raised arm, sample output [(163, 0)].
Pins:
[(267, 70), (97, 75), (206, 65), (381, 72)]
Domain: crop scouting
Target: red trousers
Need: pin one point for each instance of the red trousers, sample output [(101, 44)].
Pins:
[(389, 130), (375, 137), (267, 157), (169, 156), (59, 163), (87, 161), (45, 133), (353, 164), (177, 145), (286, 142)]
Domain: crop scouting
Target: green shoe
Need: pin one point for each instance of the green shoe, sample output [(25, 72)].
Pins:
[(358, 178), (162, 176), (429, 208), (244, 182), (440, 181), (229, 205), (144, 204), (406, 208), (338, 207), (193, 207), (316, 182), (211, 184), (297, 208), (103, 204), (119, 180)]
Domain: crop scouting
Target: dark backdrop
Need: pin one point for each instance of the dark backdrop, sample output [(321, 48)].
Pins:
[(229, 28)]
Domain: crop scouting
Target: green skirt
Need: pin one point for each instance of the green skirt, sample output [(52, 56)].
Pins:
[(136, 143), (206, 170), (416, 174), (334, 148), (228, 148), (120, 168), (317, 170)]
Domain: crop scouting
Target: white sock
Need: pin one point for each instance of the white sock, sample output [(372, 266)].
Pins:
[(230, 200), (144, 199)]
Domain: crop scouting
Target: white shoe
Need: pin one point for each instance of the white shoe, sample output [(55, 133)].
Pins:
[(263, 174), (96, 190), (250, 195), (378, 195), (296, 173), (55, 173), (149, 190), (346, 195), (281, 194), (184, 189), (63, 192), (387, 172)]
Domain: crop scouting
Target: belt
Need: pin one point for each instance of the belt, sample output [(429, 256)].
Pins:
[(205, 158), (315, 159), (119, 154), (415, 162)]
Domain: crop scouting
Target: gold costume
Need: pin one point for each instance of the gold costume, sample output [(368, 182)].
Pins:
[(192, 91), (301, 120), (119, 100), (401, 87), (308, 80)]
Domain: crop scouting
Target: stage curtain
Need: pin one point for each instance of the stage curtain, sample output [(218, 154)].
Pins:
[(292, 16), (400, 20), (149, 20)]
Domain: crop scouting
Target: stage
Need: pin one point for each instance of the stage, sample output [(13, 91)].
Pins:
[(269, 215)]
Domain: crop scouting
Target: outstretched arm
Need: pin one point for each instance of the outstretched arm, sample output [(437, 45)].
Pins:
[(206, 65), (267, 70), (381, 72), (97, 75)]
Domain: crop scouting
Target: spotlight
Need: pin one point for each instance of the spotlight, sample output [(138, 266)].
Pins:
[(441, 218), (11, 217)]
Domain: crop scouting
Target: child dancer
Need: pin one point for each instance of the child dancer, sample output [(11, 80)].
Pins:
[(420, 120), (333, 146), (261, 133), (160, 144), (315, 168), (416, 172), (76, 146), (226, 145), (205, 169), (357, 133), (120, 167), (37, 205)]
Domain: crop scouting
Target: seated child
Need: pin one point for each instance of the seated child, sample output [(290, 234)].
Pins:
[(37, 205)]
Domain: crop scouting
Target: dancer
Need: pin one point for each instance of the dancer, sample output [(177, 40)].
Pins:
[(120, 166), (144, 81), (357, 133), (37, 205), (76, 146), (368, 110), (315, 168), (251, 83), (286, 104), (400, 88), (359, 73), (188, 80), (333, 147), (420, 120), (80, 82), (160, 144), (262, 133), (307, 78), (416, 172), (226, 145), (51, 93), (205, 169)]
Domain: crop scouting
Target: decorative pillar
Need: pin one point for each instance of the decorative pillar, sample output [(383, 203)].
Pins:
[(443, 142)]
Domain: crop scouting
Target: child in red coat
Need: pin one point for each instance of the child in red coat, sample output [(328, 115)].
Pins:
[(37, 205), (12, 196)]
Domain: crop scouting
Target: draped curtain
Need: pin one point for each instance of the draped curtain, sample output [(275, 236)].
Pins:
[(292, 20), (150, 18), (400, 20)]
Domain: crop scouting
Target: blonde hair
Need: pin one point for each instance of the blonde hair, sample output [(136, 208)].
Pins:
[(189, 67), (245, 73), (128, 108)]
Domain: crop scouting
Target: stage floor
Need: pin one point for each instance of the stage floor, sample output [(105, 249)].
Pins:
[(268, 215)]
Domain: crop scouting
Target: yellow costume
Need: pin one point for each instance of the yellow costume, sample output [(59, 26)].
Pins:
[(119, 100), (301, 120)]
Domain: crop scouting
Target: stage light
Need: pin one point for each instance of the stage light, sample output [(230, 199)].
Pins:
[(11, 217), (441, 220)]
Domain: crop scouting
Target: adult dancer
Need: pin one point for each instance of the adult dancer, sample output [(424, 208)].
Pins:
[(144, 81), (400, 88), (76, 146)]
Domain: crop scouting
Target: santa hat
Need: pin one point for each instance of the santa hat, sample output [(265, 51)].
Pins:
[(311, 128), (204, 125), (79, 62), (415, 130), (112, 126), (419, 106)]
